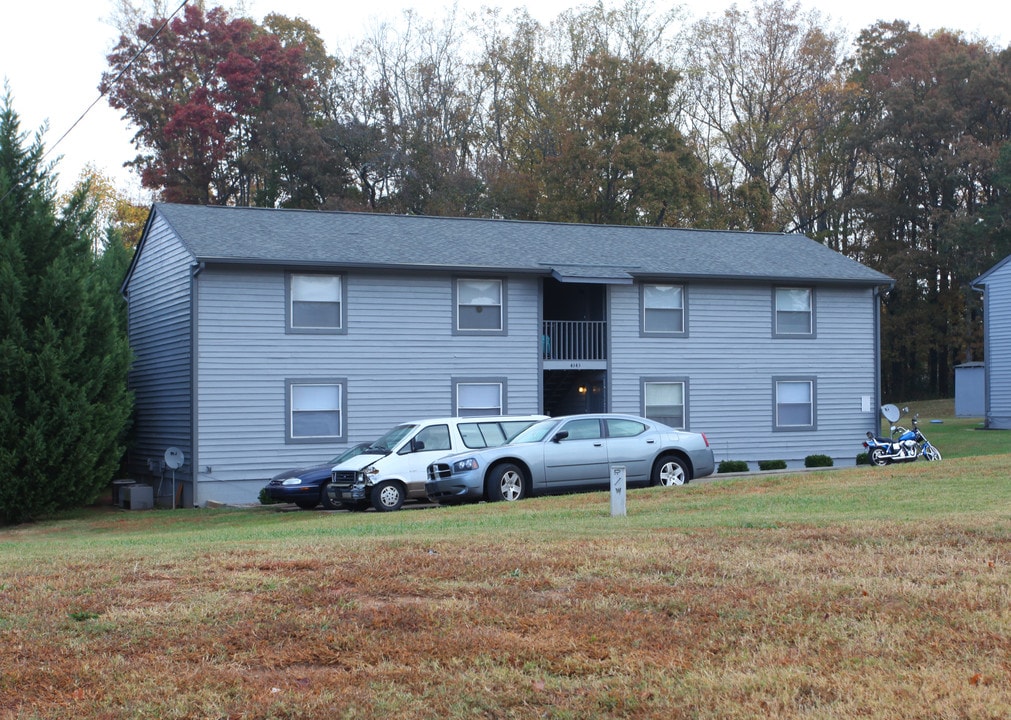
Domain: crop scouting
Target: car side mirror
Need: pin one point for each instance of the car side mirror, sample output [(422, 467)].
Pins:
[(417, 445), (559, 436)]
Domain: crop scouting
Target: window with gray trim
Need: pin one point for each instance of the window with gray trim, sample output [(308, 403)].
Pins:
[(476, 398), (794, 314), (479, 305), (315, 410), (663, 309), (664, 402), (795, 407), (315, 303)]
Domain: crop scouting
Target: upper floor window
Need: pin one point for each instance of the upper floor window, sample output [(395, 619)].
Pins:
[(795, 404), (664, 402), (794, 311), (478, 398), (479, 305), (315, 303), (663, 309), (315, 410)]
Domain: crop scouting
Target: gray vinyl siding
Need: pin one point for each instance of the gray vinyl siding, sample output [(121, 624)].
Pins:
[(399, 358), (730, 360), (160, 317), (997, 352), (214, 364)]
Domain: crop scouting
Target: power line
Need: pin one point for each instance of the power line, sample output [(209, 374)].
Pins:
[(118, 76), (101, 95)]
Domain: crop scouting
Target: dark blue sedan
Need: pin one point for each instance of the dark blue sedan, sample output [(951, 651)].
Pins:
[(306, 487)]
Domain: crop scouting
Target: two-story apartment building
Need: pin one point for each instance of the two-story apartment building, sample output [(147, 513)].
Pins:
[(265, 339), (995, 284)]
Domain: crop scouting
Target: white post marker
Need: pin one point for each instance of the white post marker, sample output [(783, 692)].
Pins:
[(617, 491)]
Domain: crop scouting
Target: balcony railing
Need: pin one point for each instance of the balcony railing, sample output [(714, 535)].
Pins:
[(574, 340)]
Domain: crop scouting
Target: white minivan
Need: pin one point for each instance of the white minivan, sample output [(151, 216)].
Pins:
[(394, 468)]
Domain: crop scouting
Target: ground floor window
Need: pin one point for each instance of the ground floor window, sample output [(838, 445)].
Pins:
[(315, 410), (795, 406), (664, 402), (479, 398)]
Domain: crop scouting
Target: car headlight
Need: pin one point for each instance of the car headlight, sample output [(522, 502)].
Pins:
[(369, 474), (465, 465), (292, 481)]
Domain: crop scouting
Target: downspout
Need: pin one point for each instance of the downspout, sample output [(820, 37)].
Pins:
[(194, 354), (877, 357)]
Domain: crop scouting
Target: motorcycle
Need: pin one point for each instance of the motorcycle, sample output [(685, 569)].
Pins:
[(903, 445)]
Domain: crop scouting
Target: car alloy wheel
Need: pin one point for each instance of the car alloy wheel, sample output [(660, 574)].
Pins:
[(506, 483), (671, 472)]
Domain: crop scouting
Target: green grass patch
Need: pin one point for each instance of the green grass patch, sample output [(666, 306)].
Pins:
[(865, 592), (954, 437)]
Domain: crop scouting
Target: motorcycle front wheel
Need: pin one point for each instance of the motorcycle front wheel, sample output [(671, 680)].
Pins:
[(931, 453), (877, 457)]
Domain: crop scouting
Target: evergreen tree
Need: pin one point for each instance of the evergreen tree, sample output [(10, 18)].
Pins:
[(64, 356)]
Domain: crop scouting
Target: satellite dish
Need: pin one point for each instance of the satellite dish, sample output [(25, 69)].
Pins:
[(890, 412), (174, 458)]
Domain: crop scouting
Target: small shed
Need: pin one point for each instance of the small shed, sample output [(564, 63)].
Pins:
[(970, 390)]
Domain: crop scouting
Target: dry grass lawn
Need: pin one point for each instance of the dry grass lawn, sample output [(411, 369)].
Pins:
[(852, 593)]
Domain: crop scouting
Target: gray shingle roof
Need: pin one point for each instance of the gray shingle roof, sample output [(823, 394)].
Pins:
[(603, 252)]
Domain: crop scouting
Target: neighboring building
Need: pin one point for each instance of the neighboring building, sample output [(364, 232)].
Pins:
[(267, 339), (995, 284)]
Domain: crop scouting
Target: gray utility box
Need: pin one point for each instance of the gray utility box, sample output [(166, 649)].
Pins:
[(137, 497), (118, 487)]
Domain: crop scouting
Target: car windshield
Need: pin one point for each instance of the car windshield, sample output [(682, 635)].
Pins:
[(387, 442), (536, 432), (353, 451)]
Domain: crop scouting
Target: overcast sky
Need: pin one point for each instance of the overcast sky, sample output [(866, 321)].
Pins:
[(52, 54)]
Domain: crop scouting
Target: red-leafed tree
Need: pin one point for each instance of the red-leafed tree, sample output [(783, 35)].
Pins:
[(206, 97)]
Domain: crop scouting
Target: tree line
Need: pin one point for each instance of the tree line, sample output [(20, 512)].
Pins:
[(892, 149)]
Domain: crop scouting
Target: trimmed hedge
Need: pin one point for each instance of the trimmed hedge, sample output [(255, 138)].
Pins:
[(732, 466), (818, 461), (772, 464)]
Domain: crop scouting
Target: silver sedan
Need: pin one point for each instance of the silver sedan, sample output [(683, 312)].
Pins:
[(572, 453)]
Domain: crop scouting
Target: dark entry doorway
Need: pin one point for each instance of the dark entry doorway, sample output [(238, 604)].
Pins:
[(567, 392)]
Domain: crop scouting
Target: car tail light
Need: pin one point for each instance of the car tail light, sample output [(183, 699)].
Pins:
[(705, 439)]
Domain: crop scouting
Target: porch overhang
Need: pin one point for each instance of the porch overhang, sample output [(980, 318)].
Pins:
[(597, 274)]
